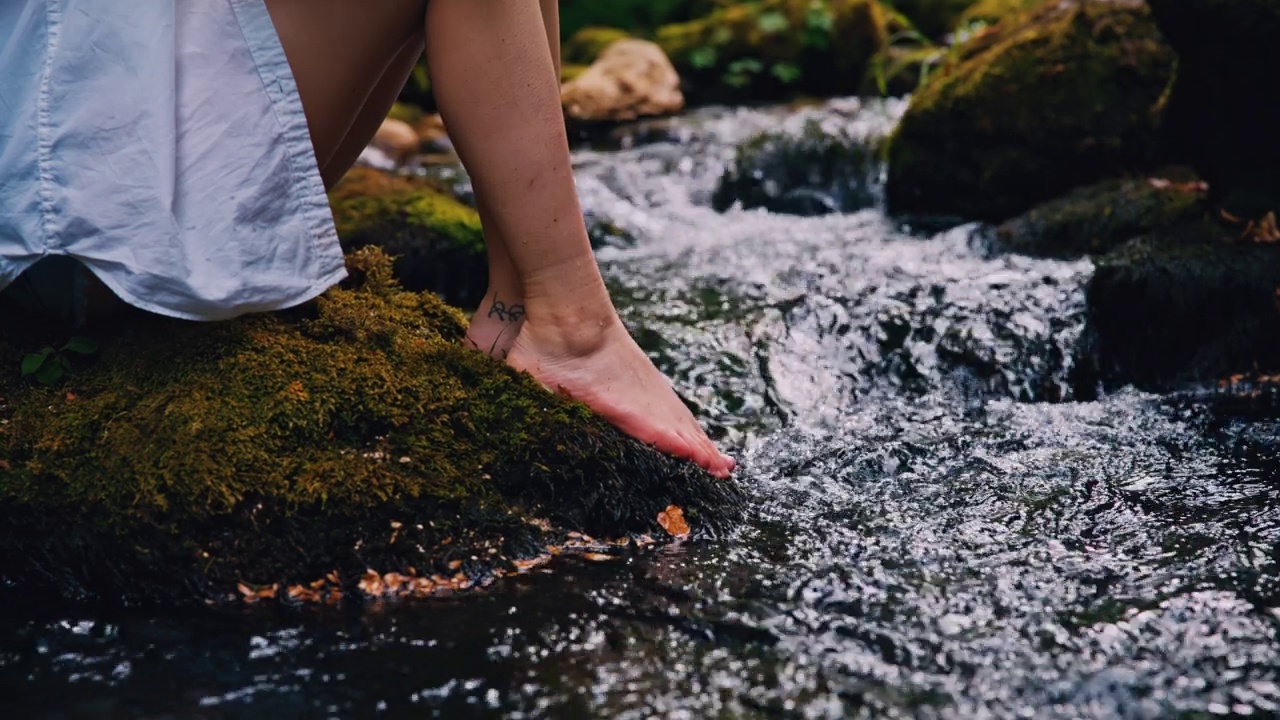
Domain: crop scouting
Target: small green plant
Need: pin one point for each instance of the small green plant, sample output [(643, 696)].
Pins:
[(50, 365)]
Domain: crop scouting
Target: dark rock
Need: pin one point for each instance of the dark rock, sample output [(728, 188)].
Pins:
[(1186, 305), (813, 172), (1096, 219), (1027, 110), (1223, 109)]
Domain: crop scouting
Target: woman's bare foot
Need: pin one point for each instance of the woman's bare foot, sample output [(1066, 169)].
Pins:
[(495, 325), (598, 364)]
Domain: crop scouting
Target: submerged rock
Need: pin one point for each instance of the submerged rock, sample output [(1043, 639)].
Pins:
[(776, 48), (1096, 219), (631, 79), (813, 172), (1221, 114), (437, 241), (1187, 304), (1065, 96), (354, 434)]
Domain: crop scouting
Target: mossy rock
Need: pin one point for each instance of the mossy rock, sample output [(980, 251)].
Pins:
[(437, 241), (811, 172), (777, 48), (1098, 218), (1222, 110), (1185, 305), (1027, 110), (991, 12), (354, 433), (587, 44), (571, 72), (933, 18), (406, 113)]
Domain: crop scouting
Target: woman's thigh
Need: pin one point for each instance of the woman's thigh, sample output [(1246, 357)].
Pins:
[(338, 51)]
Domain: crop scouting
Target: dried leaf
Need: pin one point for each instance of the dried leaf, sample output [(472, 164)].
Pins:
[(672, 520)]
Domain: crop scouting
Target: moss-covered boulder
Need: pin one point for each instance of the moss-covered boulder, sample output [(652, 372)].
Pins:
[(1182, 305), (355, 433), (437, 241), (933, 18), (991, 12), (1027, 110), (1098, 218), (776, 48), (586, 45), (900, 70), (811, 172), (1221, 114)]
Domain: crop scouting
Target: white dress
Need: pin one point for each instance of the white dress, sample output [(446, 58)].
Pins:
[(161, 143)]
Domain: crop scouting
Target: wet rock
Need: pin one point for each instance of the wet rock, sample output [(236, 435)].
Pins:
[(1184, 305), (777, 48), (437, 241), (357, 433), (586, 45), (933, 18), (397, 139), (1221, 114), (1030, 109), (1096, 219), (813, 172), (631, 79)]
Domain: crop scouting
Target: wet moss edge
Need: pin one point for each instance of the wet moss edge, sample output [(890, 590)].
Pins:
[(189, 458)]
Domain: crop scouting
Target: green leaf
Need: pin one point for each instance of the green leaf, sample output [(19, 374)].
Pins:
[(745, 66), (33, 362), (50, 373), (703, 57), (81, 345), (772, 22), (786, 72)]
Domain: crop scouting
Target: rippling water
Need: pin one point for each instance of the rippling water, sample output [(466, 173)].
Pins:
[(947, 522)]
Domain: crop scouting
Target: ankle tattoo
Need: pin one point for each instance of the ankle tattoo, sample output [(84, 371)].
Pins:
[(505, 313)]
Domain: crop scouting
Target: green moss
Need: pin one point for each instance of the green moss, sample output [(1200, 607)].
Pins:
[(276, 448), (776, 48), (438, 242), (587, 44), (1096, 219), (406, 113), (933, 18), (994, 11), (898, 71), (1027, 110), (571, 72)]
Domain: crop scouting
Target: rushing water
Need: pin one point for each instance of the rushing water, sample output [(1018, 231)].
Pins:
[(941, 525)]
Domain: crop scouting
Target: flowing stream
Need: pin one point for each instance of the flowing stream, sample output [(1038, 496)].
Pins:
[(947, 520)]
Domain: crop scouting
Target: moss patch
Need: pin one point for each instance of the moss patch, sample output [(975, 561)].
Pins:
[(1027, 110), (278, 448), (587, 44), (438, 241), (776, 48), (1096, 219)]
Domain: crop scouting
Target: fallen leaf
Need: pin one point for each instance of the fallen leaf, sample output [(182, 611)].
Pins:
[(672, 520)]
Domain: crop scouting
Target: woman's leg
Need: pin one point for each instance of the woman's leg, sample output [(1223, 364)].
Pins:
[(494, 79)]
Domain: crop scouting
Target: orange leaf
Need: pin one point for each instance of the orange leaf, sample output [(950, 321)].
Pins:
[(672, 520)]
